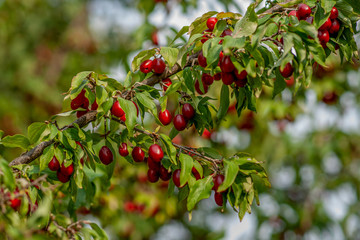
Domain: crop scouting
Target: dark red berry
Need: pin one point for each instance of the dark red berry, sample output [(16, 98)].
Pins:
[(188, 111), (335, 26), (54, 164), (123, 150), (15, 204), (240, 83), (105, 155), (165, 117), (226, 32), (217, 76), (227, 65), (210, 23), (207, 79), (202, 60), (330, 98), (138, 154), (241, 75), (287, 71), (123, 118), (218, 180), (116, 110), (204, 39), (294, 13), (219, 199), (334, 13), (158, 65), (323, 36), (303, 11), (153, 164), (94, 106), (198, 90), (154, 38), (227, 78), (67, 170), (176, 177), (195, 173), (156, 153), (326, 25), (62, 177), (165, 175), (152, 175), (167, 82), (146, 66), (179, 122), (78, 101)]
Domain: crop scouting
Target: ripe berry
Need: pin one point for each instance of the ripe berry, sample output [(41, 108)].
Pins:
[(94, 106), (218, 180), (62, 177), (165, 117), (335, 26), (81, 113), (204, 39), (326, 25), (294, 13), (15, 203), (207, 79), (138, 154), (137, 108), (287, 71), (227, 78), (78, 101), (303, 11), (165, 175), (219, 199), (242, 75), (198, 90), (156, 153), (226, 32), (129, 206), (206, 134), (152, 175), (54, 164), (105, 155), (202, 60), (123, 150), (217, 76), (158, 65), (330, 98), (290, 81), (227, 65), (323, 36), (116, 110), (153, 164), (188, 111), (176, 177), (179, 122), (210, 23), (123, 118), (154, 38), (85, 103), (334, 13), (195, 173), (167, 82), (146, 66), (67, 170)]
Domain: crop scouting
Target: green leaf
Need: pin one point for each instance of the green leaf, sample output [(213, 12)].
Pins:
[(142, 56), (7, 175), (279, 84), (230, 42), (231, 171), (79, 78), (248, 24), (189, 80), (169, 147), (200, 190), (327, 5), (182, 31), (17, 140), (200, 23), (130, 111), (173, 88), (186, 166), (101, 96), (35, 131), (147, 101), (224, 103), (1, 134), (242, 209), (170, 55), (46, 157)]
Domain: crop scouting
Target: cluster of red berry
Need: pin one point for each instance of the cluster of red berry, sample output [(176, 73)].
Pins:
[(15, 201), (81, 101), (180, 121), (157, 65), (63, 173)]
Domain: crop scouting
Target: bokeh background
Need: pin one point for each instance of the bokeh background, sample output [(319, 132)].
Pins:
[(308, 141)]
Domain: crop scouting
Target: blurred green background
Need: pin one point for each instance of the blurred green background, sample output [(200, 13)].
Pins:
[(309, 142)]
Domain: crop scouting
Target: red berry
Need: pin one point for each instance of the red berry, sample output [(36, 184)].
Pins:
[(15, 204), (217, 76), (94, 106), (67, 170), (207, 79), (334, 13), (226, 32), (152, 175), (156, 153), (179, 122), (227, 65), (123, 150), (227, 78), (146, 66), (85, 103), (129, 206), (287, 71), (105, 155), (154, 38), (165, 117), (78, 101), (165, 175), (54, 164), (240, 83), (198, 90), (326, 25), (158, 65), (219, 199), (153, 164), (204, 39), (218, 180), (202, 60), (303, 11), (138, 154), (123, 118), (335, 26), (242, 75), (176, 177), (210, 23), (221, 56), (81, 113), (167, 82), (323, 36), (188, 111), (206, 134), (195, 173), (62, 177), (330, 98), (294, 13), (116, 110), (137, 108), (290, 81)]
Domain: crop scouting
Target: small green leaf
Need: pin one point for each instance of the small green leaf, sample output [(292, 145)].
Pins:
[(17, 140), (46, 157), (279, 84), (170, 55), (200, 190), (147, 101), (79, 78), (130, 111), (173, 88), (231, 171), (35, 131), (224, 103), (7, 176), (186, 166), (248, 24), (189, 80)]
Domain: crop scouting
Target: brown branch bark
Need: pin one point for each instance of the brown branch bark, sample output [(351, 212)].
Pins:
[(275, 8)]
